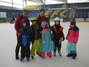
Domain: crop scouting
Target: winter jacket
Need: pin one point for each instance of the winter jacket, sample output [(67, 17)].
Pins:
[(35, 35), (58, 32), (19, 24), (25, 34), (73, 34)]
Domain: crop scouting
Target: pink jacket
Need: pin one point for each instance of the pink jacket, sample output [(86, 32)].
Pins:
[(73, 35)]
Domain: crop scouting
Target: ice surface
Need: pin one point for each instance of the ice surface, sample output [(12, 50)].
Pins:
[(8, 44)]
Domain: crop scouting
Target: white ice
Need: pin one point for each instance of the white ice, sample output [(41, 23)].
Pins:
[(8, 44)]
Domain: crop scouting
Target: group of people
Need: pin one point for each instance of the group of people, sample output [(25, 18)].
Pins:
[(43, 36)]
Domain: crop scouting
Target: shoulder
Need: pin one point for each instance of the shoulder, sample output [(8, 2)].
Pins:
[(21, 28), (70, 28), (53, 25), (61, 27), (76, 28)]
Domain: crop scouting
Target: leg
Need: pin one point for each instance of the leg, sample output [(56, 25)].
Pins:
[(27, 52), (38, 47), (74, 54), (56, 43), (59, 49), (33, 49), (18, 46), (22, 52)]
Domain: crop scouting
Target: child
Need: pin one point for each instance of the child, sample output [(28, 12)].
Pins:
[(72, 37), (58, 35), (35, 37), (46, 43), (25, 41)]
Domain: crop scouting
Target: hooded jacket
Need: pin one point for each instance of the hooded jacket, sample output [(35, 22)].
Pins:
[(73, 34)]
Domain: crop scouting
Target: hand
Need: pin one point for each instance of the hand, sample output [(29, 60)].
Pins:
[(44, 43), (18, 34), (75, 42), (60, 41), (63, 38)]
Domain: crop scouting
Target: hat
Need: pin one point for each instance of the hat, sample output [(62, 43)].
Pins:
[(33, 19), (42, 10), (25, 20), (57, 18), (73, 22)]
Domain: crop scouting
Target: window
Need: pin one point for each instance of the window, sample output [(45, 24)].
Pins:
[(2, 14)]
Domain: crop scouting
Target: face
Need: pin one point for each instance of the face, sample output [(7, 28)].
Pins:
[(24, 24), (72, 25), (42, 13), (57, 22), (25, 14), (34, 22)]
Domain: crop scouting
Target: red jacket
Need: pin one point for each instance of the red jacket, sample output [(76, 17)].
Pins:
[(73, 35), (18, 23)]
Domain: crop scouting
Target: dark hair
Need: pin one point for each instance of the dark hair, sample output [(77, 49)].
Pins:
[(58, 20), (42, 10), (33, 20), (25, 11), (26, 20)]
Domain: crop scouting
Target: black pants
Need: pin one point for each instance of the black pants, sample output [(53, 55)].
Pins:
[(18, 44), (25, 51), (57, 45)]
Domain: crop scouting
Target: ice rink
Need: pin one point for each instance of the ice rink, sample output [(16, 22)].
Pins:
[(8, 44)]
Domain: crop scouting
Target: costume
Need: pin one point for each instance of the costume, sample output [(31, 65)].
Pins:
[(72, 37), (58, 34), (46, 43)]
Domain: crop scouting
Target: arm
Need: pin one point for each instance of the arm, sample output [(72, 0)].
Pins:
[(43, 36), (16, 25), (76, 36), (67, 35), (63, 35)]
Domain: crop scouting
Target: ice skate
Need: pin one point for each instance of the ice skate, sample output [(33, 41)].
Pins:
[(59, 53), (21, 59), (27, 59), (32, 57), (54, 53)]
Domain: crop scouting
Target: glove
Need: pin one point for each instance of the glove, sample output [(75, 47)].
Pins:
[(75, 42)]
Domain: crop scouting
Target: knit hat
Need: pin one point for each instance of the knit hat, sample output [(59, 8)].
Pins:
[(25, 20), (42, 10), (73, 22)]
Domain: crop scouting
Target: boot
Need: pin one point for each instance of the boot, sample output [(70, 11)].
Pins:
[(17, 58), (38, 54), (21, 59), (74, 55), (27, 59), (54, 53), (59, 53), (32, 57), (69, 55)]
